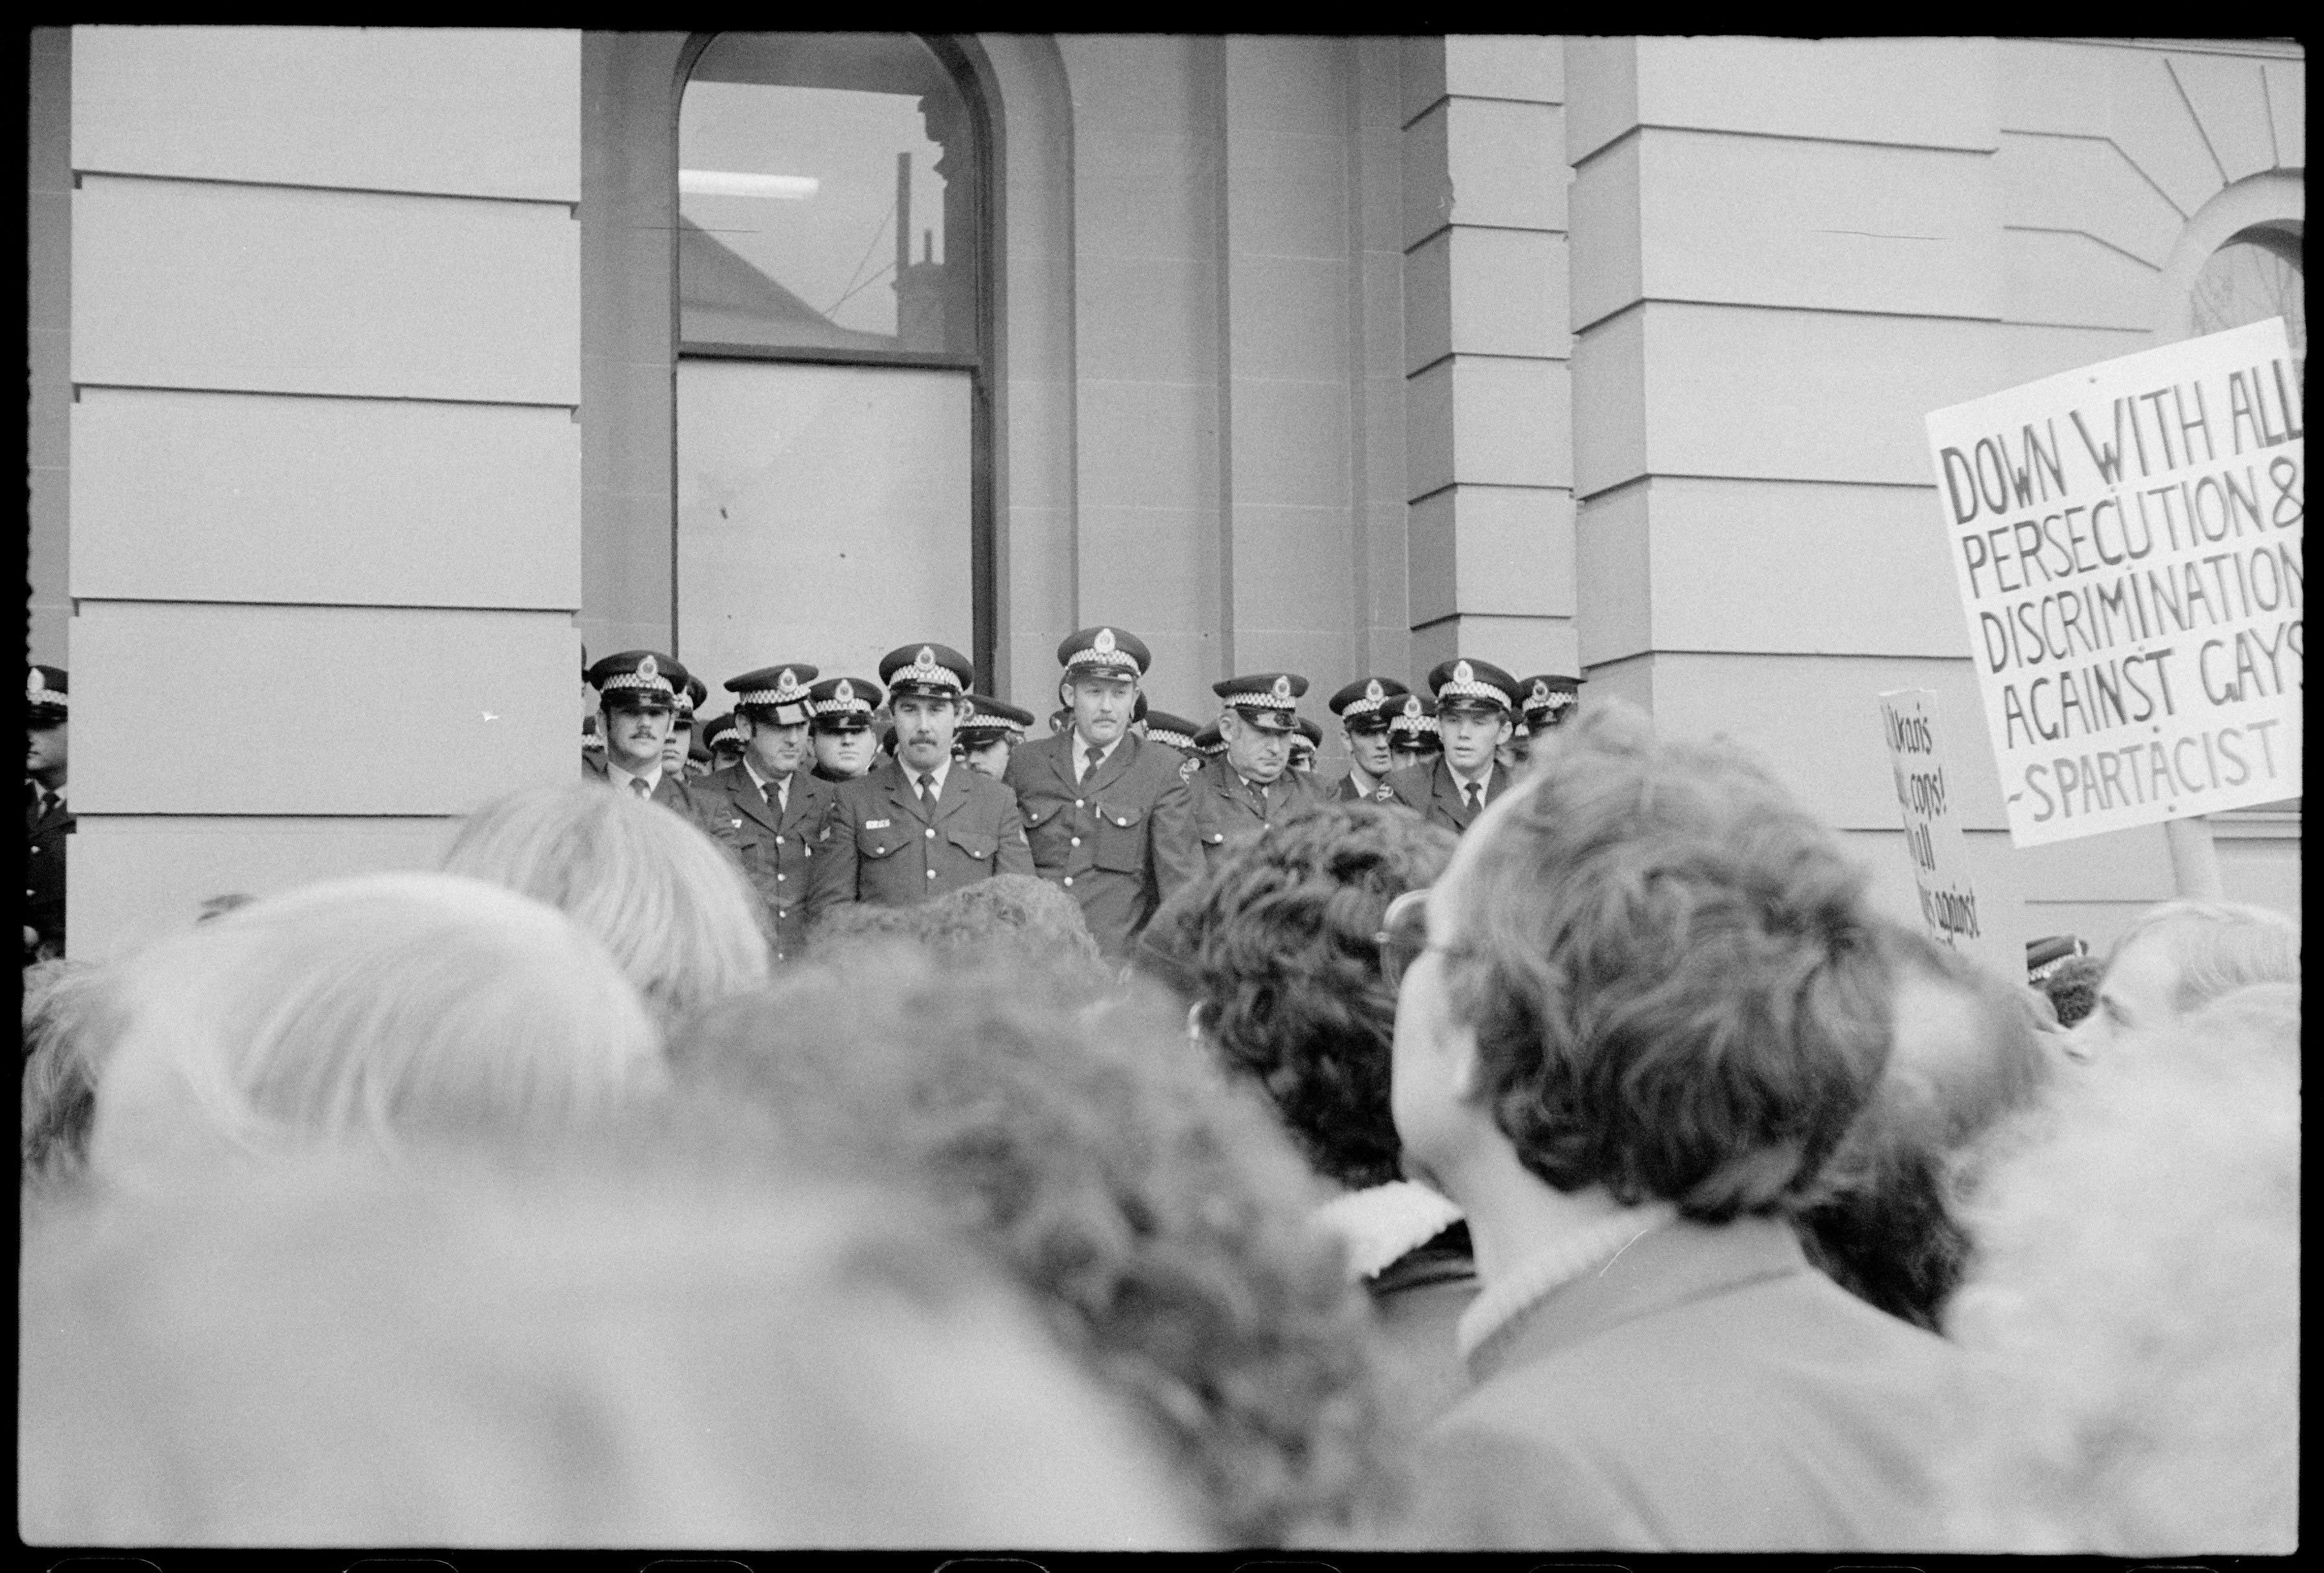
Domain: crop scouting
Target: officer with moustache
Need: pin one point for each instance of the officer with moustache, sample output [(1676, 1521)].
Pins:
[(922, 824), (1107, 815), (990, 732), (766, 806), (48, 820), (637, 701), (1249, 785), (1474, 702), (1364, 707)]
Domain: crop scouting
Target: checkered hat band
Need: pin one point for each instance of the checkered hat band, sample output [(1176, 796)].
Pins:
[(841, 707), (772, 697), (1262, 699), (1413, 724), (1111, 659), (1356, 708), (630, 679), (1472, 690), (47, 700), (1174, 739)]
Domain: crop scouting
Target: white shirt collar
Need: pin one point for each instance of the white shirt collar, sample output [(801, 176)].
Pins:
[(1081, 753), (1465, 781), (621, 778), (1508, 1294), (940, 770)]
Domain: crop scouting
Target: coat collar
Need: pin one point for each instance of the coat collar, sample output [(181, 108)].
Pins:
[(735, 781), (1112, 769), (1664, 1267)]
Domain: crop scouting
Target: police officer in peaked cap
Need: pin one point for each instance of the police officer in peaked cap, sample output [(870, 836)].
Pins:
[(1107, 815), (922, 824), (1304, 743), (1171, 731), (1412, 738), (840, 727), (766, 806), (678, 747), (48, 818), (1249, 784), (1547, 701), (1476, 702), (725, 744), (1364, 707), (990, 731), (1208, 744), (637, 703)]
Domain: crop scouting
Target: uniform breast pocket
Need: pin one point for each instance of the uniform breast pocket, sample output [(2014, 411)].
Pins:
[(1121, 839), (979, 848), (1049, 828), (875, 845)]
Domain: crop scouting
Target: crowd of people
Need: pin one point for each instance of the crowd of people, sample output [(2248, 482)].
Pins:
[(1076, 1142)]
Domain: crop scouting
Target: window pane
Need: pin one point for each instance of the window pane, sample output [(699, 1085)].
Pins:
[(822, 178), (2252, 278)]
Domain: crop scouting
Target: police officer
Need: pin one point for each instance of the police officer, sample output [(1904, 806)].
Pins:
[(921, 825), (47, 818), (726, 746), (1109, 817), (1171, 732), (679, 746), (1548, 701), (1240, 793), (766, 806), (1208, 744), (990, 732), (1363, 707), (637, 701), (1412, 737), (1304, 740), (1475, 701), (841, 731)]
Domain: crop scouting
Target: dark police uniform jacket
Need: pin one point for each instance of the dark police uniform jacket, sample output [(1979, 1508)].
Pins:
[(1227, 815), (672, 791), (1430, 791), (881, 845), (1120, 840), (44, 870), (776, 843), (1343, 790)]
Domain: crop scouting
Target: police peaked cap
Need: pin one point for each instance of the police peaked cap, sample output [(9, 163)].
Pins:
[(1106, 650), (637, 677), (931, 672), (1548, 694), (1462, 681), (1367, 697), (45, 694), (1169, 730), (1269, 700), (843, 703)]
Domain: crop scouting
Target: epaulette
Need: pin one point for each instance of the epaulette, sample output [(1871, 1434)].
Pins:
[(1187, 767)]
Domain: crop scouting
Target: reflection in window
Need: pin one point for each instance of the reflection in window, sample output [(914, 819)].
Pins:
[(2252, 278), (822, 179)]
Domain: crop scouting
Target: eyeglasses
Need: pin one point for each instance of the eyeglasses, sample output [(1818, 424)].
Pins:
[(1403, 937)]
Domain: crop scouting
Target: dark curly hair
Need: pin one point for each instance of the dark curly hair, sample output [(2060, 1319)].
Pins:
[(1153, 1213), (1279, 946), (2073, 987), (1668, 966)]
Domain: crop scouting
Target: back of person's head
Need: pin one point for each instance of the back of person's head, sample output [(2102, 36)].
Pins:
[(2134, 1302), (673, 907), (1280, 947), (317, 1355), (1015, 919), (66, 1029), (2074, 988), (2214, 947), (1965, 1053), (1153, 1212), (1669, 970), (369, 1011)]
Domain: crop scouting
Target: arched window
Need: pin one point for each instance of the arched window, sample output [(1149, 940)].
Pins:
[(834, 401), (2254, 276)]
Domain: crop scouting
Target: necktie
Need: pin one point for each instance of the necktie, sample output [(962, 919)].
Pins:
[(927, 789), (1476, 797), (1089, 758), (637, 785)]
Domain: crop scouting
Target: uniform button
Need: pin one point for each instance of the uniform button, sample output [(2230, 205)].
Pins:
[(932, 834), (1077, 841), (1077, 803), (932, 874), (779, 878), (1069, 880), (779, 840)]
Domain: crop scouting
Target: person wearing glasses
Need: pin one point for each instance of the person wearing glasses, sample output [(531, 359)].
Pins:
[(1636, 1016)]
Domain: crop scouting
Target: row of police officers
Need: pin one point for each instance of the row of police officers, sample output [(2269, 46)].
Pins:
[(1120, 818)]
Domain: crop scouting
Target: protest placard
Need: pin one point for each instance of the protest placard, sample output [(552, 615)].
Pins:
[(1932, 832), (2128, 542)]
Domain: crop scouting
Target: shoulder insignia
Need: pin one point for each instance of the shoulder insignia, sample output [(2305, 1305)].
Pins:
[(1187, 767), (1383, 794)]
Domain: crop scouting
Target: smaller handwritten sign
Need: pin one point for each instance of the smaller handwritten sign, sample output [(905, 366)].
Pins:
[(1933, 834)]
